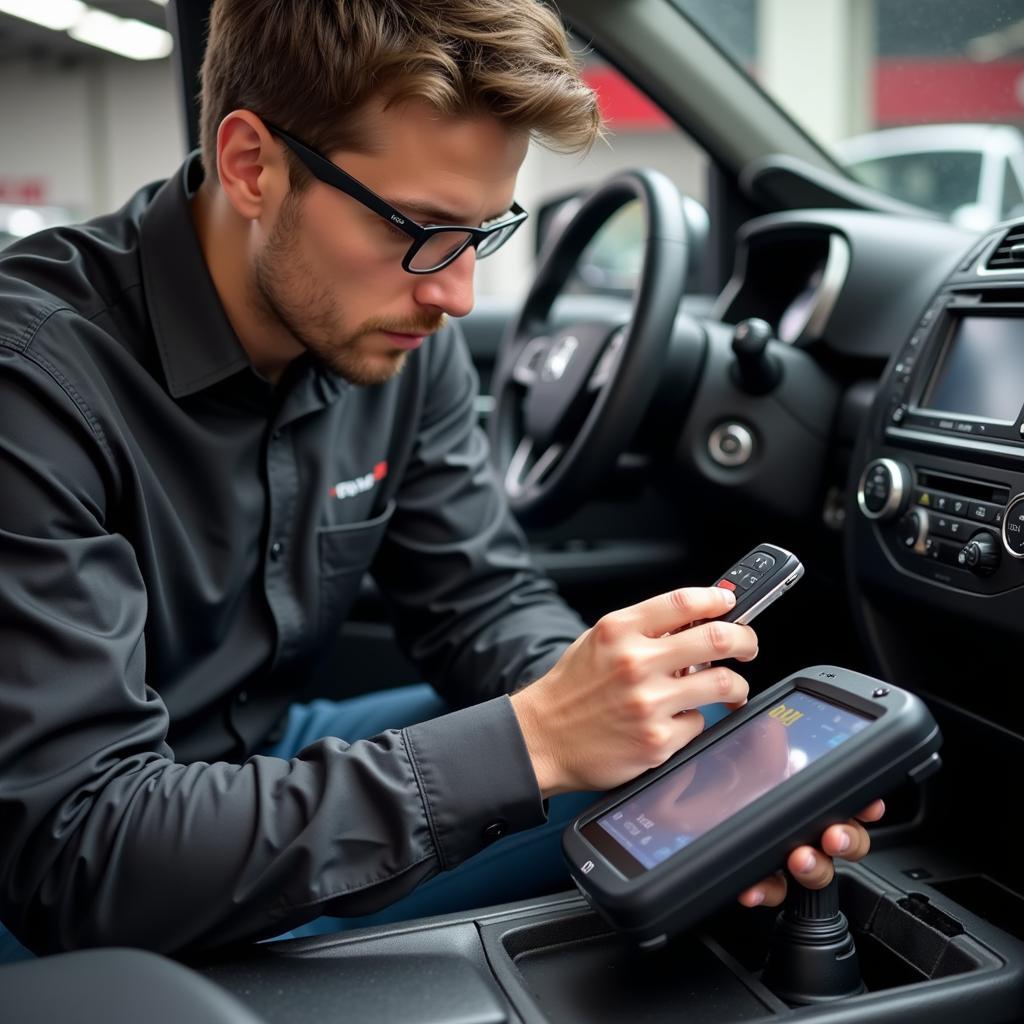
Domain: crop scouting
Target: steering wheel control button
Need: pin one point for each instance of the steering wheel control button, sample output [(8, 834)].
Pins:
[(1013, 527), (494, 831), (883, 490), (731, 445)]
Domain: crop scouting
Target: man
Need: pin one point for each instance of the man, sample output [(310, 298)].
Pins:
[(205, 440)]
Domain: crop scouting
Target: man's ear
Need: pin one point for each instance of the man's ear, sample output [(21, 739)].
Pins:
[(250, 165)]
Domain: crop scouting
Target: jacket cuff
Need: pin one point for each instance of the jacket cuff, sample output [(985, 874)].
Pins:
[(475, 777)]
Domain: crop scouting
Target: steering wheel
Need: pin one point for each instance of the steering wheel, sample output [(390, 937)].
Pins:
[(568, 399)]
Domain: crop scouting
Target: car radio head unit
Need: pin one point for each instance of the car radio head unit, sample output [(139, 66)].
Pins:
[(979, 371), (662, 851), (962, 372)]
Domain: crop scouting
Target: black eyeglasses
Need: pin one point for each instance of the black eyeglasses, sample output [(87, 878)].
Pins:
[(433, 247)]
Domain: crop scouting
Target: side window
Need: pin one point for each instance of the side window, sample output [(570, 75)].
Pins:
[(639, 135), (1013, 198)]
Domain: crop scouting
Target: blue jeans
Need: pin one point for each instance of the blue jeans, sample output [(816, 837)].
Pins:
[(520, 866)]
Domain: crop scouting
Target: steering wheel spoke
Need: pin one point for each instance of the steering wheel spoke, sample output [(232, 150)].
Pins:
[(528, 365), (609, 361), (568, 398), (525, 472)]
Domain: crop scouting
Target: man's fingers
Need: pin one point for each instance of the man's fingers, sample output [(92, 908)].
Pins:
[(677, 609), (813, 868), (873, 812), (810, 867), (849, 841), (769, 892), (708, 642), (714, 685)]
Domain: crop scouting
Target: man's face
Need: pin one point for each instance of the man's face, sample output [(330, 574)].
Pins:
[(330, 271)]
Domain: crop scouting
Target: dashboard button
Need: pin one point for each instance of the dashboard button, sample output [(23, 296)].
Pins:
[(981, 513), (731, 444), (946, 526)]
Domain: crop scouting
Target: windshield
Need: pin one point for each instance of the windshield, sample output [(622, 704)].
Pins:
[(921, 99)]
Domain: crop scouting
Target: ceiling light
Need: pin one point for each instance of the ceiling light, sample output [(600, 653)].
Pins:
[(125, 36), (54, 14)]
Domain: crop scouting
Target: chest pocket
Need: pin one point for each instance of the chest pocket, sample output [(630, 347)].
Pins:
[(345, 554)]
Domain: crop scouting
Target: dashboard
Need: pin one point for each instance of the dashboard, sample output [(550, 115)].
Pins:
[(903, 351)]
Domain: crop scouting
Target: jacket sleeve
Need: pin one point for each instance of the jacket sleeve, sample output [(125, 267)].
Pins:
[(104, 837), (471, 610)]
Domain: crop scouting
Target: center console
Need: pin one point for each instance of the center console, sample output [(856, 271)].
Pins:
[(943, 482)]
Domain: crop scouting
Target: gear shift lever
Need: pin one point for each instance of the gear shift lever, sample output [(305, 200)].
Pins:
[(812, 958), (755, 370)]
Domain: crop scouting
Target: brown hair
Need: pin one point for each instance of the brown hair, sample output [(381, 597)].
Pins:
[(310, 66)]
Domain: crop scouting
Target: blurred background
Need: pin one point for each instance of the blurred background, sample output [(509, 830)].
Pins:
[(923, 99)]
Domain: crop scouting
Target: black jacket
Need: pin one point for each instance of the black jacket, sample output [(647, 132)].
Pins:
[(179, 542)]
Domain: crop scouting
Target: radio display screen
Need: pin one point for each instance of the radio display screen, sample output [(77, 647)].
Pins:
[(981, 371)]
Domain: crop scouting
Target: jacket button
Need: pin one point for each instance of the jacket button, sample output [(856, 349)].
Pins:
[(494, 831), (242, 696), (276, 550)]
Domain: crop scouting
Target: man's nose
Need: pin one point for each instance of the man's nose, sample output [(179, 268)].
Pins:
[(450, 289)]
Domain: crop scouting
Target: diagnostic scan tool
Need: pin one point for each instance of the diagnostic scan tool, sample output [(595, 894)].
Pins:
[(684, 839)]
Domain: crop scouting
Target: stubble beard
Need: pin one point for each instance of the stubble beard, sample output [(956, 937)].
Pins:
[(285, 288)]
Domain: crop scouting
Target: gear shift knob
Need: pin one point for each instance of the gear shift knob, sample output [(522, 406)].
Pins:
[(755, 370)]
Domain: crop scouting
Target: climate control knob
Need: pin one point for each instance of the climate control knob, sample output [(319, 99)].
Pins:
[(884, 489), (980, 554), (913, 528), (1013, 527)]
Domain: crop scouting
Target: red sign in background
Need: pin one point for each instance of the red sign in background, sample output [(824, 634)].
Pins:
[(907, 91), (26, 191)]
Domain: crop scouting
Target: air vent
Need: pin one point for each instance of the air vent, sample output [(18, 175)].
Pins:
[(1009, 254)]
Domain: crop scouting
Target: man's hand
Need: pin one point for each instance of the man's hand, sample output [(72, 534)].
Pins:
[(617, 704), (813, 868)]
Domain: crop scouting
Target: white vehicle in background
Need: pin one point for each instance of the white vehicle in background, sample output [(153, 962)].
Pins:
[(971, 174)]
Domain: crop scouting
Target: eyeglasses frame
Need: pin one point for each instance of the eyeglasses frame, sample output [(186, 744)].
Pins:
[(331, 174)]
